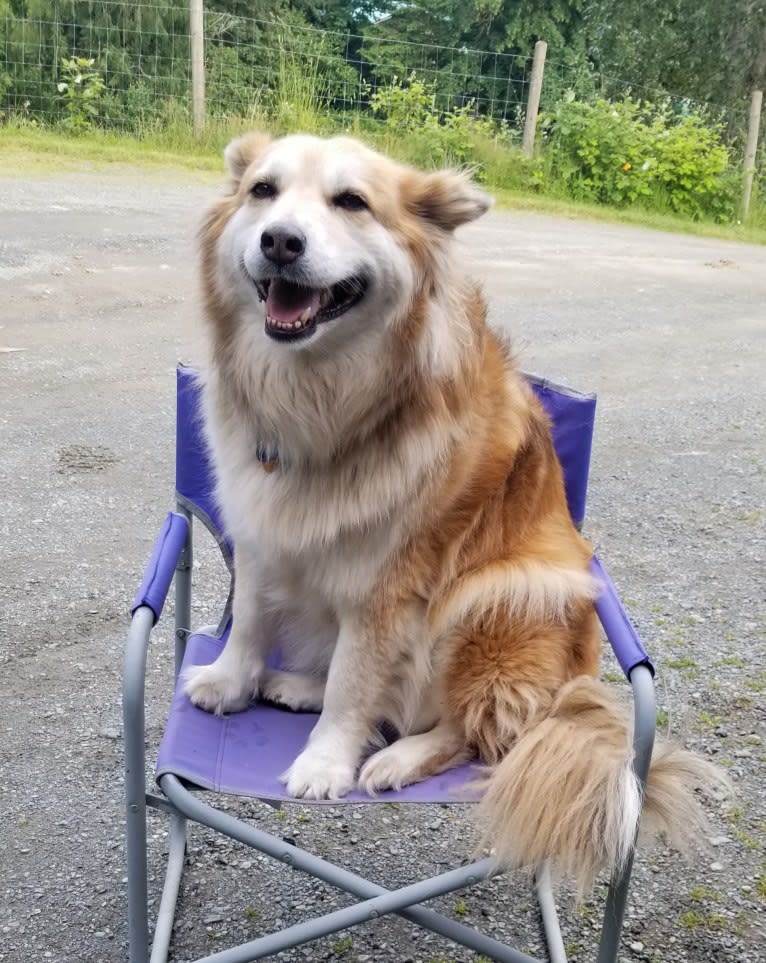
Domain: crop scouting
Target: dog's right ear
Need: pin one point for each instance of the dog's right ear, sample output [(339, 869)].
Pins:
[(240, 154), (447, 199)]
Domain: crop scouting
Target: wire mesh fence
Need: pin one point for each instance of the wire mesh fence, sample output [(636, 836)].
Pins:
[(141, 55), (127, 67)]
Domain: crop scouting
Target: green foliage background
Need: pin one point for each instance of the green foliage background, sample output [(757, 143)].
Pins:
[(644, 104)]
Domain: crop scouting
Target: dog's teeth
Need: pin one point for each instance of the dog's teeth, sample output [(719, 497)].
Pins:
[(305, 316)]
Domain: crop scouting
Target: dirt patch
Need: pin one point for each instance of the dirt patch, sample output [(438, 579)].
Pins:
[(76, 459)]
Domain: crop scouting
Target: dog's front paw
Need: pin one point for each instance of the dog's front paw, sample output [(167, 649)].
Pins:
[(293, 690), (215, 688), (390, 768), (317, 776)]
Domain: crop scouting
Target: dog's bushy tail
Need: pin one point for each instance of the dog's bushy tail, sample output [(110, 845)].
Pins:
[(566, 791)]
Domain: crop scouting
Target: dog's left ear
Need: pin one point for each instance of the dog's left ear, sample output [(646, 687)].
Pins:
[(240, 154), (448, 199)]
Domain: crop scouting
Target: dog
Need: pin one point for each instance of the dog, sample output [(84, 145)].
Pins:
[(398, 513)]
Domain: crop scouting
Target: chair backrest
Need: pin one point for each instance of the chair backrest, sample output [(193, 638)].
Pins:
[(195, 477), (572, 416)]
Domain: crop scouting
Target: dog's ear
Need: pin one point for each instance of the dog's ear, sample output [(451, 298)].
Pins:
[(448, 199), (241, 153)]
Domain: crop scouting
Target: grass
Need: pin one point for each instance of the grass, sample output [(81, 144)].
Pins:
[(695, 919), (701, 894), (25, 149), (342, 946), (734, 661), (705, 720), (682, 662), (29, 150), (460, 908)]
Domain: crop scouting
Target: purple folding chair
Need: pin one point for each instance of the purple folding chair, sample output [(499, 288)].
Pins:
[(244, 753)]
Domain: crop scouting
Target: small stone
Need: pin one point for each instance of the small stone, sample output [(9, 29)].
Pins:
[(716, 867), (637, 947)]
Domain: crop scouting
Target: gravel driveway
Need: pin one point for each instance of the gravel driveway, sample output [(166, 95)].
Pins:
[(99, 301)]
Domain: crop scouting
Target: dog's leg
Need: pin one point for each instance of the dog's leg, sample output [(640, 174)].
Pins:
[(415, 758), (232, 681), (326, 768)]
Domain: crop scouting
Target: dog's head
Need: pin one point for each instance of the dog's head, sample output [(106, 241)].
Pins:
[(319, 233)]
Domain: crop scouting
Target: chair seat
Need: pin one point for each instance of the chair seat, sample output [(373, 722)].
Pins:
[(245, 753)]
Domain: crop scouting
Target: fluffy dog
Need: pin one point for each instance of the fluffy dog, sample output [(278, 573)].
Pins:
[(398, 512)]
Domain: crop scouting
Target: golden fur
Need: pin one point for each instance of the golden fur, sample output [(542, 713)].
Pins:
[(412, 551)]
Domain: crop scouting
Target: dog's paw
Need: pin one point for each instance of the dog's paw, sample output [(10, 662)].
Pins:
[(301, 693), (214, 688), (315, 776), (390, 768)]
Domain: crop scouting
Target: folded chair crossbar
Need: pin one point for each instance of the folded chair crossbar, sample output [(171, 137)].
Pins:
[(376, 900)]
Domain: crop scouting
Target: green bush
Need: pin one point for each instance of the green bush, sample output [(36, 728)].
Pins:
[(83, 91), (406, 107), (628, 152), (461, 136)]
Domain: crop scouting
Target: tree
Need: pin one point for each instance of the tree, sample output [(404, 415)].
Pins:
[(701, 49)]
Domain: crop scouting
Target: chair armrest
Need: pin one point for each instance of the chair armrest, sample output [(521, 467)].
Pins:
[(159, 572), (146, 610), (620, 632)]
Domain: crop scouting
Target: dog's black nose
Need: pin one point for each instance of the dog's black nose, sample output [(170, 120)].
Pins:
[(282, 244)]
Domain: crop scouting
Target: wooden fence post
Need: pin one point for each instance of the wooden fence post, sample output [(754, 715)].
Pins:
[(756, 102), (533, 98), (197, 35)]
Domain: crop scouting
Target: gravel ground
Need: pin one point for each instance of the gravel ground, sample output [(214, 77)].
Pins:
[(100, 301)]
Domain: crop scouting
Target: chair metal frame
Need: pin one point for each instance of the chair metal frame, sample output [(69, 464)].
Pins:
[(172, 560)]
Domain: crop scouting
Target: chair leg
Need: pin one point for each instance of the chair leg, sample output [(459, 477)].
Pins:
[(135, 782), (643, 742), (163, 931), (138, 924), (550, 917)]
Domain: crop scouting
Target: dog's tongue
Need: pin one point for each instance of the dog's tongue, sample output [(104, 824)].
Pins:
[(289, 302)]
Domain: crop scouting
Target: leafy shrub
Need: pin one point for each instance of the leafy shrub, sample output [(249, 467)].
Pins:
[(405, 107), (460, 136), (83, 90), (627, 152)]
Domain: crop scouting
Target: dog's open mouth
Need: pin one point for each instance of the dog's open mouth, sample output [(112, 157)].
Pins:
[(294, 311)]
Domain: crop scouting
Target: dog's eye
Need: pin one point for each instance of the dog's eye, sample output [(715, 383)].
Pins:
[(349, 201), (263, 189)]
